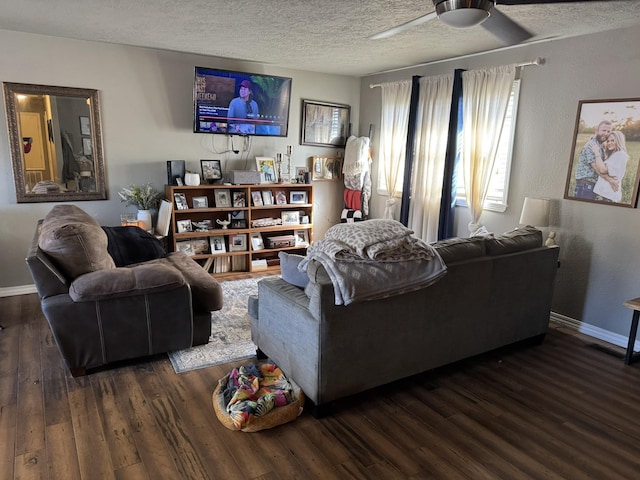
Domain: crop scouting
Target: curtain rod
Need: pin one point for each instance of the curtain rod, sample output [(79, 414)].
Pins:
[(535, 61)]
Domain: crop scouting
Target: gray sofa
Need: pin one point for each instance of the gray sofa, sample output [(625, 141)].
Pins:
[(496, 292)]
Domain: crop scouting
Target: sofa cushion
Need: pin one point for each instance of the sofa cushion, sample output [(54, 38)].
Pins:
[(74, 241), (129, 245), (289, 269), (517, 240), (457, 249)]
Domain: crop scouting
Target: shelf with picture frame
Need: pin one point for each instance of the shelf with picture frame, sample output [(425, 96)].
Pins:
[(287, 209)]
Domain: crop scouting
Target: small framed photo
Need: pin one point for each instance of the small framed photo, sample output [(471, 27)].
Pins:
[(267, 197), (239, 223), (300, 174), (239, 199), (256, 241), (200, 202), (211, 171), (203, 225), (281, 198), (185, 247), (217, 245), (238, 242), (200, 246), (327, 168), (257, 199), (290, 218), (302, 238), (181, 201), (237, 214), (184, 226), (223, 198), (85, 126), (267, 168), (298, 197), (87, 149)]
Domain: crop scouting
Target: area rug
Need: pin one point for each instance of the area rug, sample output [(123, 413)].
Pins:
[(230, 331)]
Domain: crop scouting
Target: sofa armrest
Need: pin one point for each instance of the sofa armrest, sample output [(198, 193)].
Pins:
[(125, 282)]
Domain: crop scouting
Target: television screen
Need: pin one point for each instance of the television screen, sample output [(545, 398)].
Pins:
[(240, 103)]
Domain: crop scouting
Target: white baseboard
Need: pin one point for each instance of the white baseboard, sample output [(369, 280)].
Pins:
[(593, 331), (19, 290)]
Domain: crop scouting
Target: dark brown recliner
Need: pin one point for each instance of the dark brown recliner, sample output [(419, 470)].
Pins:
[(100, 313)]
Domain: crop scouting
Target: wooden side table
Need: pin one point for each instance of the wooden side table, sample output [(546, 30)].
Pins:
[(635, 306)]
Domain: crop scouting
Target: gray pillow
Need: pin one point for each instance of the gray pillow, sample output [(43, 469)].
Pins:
[(289, 269)]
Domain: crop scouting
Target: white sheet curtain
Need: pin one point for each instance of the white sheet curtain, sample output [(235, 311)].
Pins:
[(394, 123), (485, 100), (432, 126)]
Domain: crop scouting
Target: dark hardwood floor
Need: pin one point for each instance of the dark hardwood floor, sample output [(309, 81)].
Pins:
[(560, 410)]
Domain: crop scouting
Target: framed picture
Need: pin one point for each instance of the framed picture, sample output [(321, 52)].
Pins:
[(200, 246), (184, 226), (203, 225), (238, 243), (211, 171), (238, 223), (281, 198), (257, 199), (185, 247), (217, 245), (327, 168), (298, 197), (181, 201), (290, 218), (267, 168), (223, 198), (267, 197), (200, 202), (237, 214), (300, 174), (604, 158), (325, 124), (87, 148), (85, 126), (239, 199), (256, 241), (302, 238)]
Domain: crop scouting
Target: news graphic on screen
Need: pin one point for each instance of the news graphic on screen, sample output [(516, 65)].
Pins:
[(238, 103)]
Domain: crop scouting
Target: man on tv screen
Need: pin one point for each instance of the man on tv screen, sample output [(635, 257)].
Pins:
[(243, 106)]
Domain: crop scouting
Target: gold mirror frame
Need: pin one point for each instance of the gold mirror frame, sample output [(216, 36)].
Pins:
[(87, 184)]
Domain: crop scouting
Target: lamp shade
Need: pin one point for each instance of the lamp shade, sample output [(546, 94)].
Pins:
[(535, 212)]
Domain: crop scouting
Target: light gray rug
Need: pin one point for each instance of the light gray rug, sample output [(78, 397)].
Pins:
[(230, 331)]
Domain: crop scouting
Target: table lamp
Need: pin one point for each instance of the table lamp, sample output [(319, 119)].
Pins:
[(535, 212)]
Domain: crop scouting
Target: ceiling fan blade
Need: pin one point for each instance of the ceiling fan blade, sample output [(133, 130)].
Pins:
[(505, 29), (405, 26)]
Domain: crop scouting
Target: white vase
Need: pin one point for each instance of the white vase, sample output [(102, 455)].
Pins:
[(192, 179), (144, 220)]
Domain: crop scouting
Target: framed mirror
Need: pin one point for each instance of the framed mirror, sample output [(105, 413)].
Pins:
[(55, 137)]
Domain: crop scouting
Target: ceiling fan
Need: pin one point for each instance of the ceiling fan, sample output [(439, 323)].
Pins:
[(469, 13)]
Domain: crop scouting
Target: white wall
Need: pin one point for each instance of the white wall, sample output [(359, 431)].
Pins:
[(147, 110), (600, 264)]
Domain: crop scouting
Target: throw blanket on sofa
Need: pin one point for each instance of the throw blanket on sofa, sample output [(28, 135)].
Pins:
[(373, 259)]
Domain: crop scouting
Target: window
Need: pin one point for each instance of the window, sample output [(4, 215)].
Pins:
[(499, 184)]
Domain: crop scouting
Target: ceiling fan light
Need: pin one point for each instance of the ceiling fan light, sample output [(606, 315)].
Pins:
[(464, 13)]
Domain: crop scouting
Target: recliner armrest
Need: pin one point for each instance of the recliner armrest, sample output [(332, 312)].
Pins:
[(124, 282)]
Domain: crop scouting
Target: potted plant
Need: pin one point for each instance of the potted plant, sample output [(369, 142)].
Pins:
[(145, 198)]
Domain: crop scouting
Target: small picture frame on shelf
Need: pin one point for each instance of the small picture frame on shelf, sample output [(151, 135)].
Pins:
[(200, 246), (257, 199), (239, 199), (239, 223), (217, 245), (223, 198), (290, 218), (184, 226), (302, 237), (200, 202), (238, 243), (211, 171), (237, 214), (300, 174), (298, 197), (267, 197), (256, 241), (181, 201), (267, 168), (281, 198), (203, 225), (185, 246)]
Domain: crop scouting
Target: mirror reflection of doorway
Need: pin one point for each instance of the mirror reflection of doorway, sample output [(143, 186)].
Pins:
[(39, 163)]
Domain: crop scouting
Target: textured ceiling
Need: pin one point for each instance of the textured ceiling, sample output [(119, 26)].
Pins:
[(326, 36)]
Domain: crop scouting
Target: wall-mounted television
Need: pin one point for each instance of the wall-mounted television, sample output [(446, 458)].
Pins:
[(238, 103)]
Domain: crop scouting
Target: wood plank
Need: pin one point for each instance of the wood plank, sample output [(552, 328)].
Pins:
[(32, 465), (61, 452), (7, 440)]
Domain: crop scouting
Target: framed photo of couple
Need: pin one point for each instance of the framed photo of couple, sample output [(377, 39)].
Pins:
[(605, 157)]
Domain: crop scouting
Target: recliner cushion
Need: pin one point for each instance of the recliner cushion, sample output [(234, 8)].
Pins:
[(128, 245), (517, 240), (457, 249), (74, 241)]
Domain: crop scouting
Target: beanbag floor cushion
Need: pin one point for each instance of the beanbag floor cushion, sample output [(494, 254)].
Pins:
[(255, 397)]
